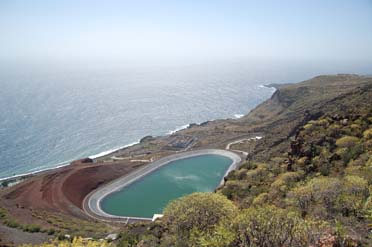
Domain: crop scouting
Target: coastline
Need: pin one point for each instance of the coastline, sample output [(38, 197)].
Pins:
[(98, 155), (25, 175), (29, 174), (63, 192)]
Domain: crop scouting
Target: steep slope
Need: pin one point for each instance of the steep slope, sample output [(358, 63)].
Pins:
[(293, 105)]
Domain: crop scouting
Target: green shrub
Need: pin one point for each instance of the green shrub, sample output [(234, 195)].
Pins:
[(271, 226), (322, 122), (5, 183), (334, 130), (257, 175), (127, 239), (319, 192), (249, 165), (308, 127), (3, 213), (347, 141), (31, 228), (352, 153), (222, 235), (76, 242), (227, 191), (11, 223), (197, 211), (261, 199), (367, 134)]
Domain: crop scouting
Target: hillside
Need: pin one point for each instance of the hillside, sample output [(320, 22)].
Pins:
[(308, 181)]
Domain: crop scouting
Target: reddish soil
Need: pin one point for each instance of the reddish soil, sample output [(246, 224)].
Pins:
[(61, 191)]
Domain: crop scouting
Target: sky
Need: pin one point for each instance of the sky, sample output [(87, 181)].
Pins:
[(168, 31)]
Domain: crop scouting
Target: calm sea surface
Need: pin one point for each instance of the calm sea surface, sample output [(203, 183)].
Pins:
[(49, 117)]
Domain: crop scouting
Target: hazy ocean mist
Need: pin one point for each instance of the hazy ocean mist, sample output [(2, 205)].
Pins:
[(52, 115)]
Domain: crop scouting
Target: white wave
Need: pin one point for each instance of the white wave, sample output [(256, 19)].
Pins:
[(238, 115), (178, 129), (39, 169), (36, 171), (264, 86), (94, 156)]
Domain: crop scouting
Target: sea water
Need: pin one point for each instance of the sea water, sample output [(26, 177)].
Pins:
[(50, 116)]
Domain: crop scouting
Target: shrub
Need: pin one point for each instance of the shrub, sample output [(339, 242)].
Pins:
[(5, 183), (257, 175), (51, 231), (367, 134), (322, 122), (197, 211), (261, 199), (355, 193), (249, 165), (271, 226), (369, 162), (355, 126), (76, 242), (11, 223), (321, 192), (302, 162), (334, 130), (352, 153), (31, 228), (284, 182), (347, 141), (127, 239), (308, 126), (227, 191), (222, 235), (3, 213)]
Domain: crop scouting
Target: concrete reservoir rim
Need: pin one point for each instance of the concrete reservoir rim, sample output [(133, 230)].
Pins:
[(92, 202)]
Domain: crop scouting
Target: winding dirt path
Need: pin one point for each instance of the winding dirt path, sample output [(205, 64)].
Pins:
[(228, 146)]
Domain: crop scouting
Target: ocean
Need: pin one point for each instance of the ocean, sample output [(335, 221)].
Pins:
[(51, 116)]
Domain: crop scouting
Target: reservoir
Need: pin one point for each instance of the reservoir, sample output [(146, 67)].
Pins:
[(151, 193)]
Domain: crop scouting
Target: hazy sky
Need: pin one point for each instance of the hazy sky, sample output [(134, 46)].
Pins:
[(106, 30)]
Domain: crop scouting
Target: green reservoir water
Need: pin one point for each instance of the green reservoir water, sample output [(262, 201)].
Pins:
[(152, 193)]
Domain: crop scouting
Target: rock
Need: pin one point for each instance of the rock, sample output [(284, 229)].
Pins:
[(344, 121), (327, 241), (86, 160), (112, 236), (336, 117), (82, 161), (147, 138)]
